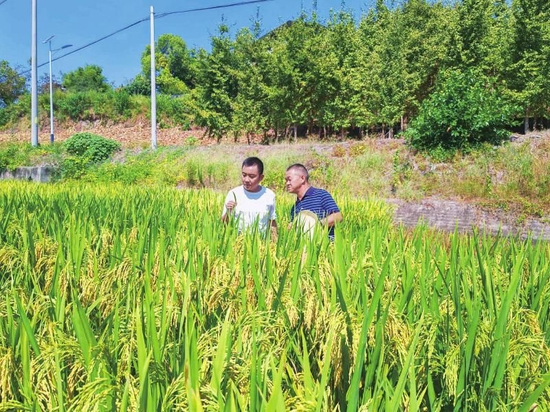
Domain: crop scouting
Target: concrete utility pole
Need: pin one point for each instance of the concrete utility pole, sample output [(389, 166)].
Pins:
[(153, 85), (34, 87), (50, 54)]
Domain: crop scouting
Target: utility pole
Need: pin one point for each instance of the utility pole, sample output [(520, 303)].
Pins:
[(153, 85), (34, 87)]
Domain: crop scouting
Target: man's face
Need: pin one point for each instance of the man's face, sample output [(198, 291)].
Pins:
[(251, 178), (294, 181)]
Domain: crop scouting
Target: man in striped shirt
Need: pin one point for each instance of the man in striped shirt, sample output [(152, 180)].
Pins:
[(316, 200)]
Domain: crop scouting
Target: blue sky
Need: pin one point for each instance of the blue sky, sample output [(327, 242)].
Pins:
[(79, 22)]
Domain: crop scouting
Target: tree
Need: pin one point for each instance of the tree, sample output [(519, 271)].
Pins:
[(175, 65), (475, 18), (44, 83), (530, 58), (86, 78), (218, 86), (466, 109), (12, 85), (250, 107)]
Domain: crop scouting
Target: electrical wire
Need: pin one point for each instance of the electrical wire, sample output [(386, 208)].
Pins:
[(2, 2), (157, 16)]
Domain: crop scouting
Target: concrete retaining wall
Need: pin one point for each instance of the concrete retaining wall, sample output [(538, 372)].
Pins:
[(450, 216), (41, 174)]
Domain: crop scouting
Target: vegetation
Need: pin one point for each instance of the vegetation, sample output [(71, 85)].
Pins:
[(119, 298), (93, 147), (514, 177), (347, 77), (462, 112)]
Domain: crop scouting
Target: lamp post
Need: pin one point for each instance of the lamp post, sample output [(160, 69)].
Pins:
[(51, 52)]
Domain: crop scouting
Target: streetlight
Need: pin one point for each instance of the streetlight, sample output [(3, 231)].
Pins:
[(51, 52)]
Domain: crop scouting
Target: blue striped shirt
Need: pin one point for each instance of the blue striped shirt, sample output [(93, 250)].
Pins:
[(318, 201)]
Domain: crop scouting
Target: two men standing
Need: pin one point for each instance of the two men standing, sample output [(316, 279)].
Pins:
[(252, 203)]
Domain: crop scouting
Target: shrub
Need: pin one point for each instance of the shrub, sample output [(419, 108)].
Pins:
[(464, 111), (121, 103), (15, 111), (75, 106), (91, 146)]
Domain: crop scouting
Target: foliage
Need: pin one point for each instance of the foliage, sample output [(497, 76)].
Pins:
[(14, 155), (173, 111), (92, 105), (465, 110), (348, 75), (174, 63), (12, 85), (89, 77), (75, 106), (12, 113), (217, 85), (90, 146), (139, 85), (528, 66)]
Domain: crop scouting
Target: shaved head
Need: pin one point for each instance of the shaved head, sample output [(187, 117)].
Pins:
[(299, 169)]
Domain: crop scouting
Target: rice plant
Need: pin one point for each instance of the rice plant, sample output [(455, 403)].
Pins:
[(123, 298)]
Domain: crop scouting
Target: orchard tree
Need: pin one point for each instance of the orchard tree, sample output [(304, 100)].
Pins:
[(466, 109)]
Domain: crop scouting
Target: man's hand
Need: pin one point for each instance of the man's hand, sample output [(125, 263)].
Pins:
[(230, 206)]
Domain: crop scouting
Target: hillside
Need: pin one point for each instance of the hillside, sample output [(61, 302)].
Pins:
[(133, 133)]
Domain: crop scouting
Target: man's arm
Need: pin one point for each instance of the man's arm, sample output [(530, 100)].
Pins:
[(332, 219)]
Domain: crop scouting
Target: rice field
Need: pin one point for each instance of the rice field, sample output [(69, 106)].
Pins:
[(118, 298)]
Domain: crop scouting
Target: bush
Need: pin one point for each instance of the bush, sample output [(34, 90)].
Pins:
[(464, 111), (15, 111), (75, 106), (91, 146)]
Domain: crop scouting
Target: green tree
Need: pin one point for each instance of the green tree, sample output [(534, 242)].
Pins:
[(86, 78), (342, 38), (217, 85), (174, 62), (466, 109), (427, 32), (530, 58), (12, 85), (250, 107), (475, 18), (283, 77)]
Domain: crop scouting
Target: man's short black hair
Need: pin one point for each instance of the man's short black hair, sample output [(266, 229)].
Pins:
[(298, 167), (251, 161)]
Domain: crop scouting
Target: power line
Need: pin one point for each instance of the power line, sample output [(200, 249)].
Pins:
[(159, 16), (2, 2)]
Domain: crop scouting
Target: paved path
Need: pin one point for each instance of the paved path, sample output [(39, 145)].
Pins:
[(450, 215)]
